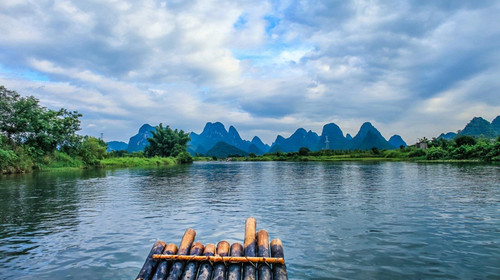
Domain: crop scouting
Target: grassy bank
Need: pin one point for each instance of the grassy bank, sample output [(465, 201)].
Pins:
[(137, 161), (59, 161), (316, 158), (480, 151)]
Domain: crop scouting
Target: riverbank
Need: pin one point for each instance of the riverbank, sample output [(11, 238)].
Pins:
[(66, 163), (353, 159), (475, 150), (62, 162), (137, 162)]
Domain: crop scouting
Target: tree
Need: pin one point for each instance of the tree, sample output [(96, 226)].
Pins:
[(24, 122), (166, 142), (92, 150), (465, 140), (304, 151), (13, 110)]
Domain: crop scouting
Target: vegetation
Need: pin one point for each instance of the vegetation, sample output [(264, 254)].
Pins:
[(166, 142), (33, 137), (134, 161), (463, 148)]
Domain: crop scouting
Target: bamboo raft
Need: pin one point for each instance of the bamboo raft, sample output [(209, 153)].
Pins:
[(193, 260)]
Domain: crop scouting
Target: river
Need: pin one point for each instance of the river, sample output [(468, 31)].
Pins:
[(388, 220)]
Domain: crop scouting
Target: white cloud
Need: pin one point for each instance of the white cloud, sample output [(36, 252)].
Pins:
[(401, 65)]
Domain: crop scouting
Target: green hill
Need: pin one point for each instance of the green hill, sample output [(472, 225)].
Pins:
[(224, 150)]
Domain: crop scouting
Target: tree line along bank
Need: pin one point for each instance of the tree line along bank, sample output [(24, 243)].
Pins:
[(33, 137)]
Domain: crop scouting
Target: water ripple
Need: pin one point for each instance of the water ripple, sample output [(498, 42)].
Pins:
[(337, 221)]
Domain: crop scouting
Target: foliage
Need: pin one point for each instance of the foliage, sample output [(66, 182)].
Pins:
[(483, 149), (435, 153), (465, 140), (60, 159), (137, 161), (24, 121), (92, 151), (494, 153), (416, 153), (119, 153), (166, 142), (184, 157), (304, 151), (14, 160), (31, 134), (440, 142)]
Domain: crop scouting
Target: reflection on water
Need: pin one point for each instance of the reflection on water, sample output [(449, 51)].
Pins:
[(336, 220)]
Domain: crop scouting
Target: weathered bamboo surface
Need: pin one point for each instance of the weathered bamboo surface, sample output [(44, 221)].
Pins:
[(164, 266), (263, 251), (219, 272), (192, 267), (256, 259), (224, 259), (149, 267), (234, 270), (279, 270), (249, 248), (206, 268)]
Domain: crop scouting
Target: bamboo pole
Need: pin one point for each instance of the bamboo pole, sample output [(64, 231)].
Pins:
[(263, 251), (192, 267), (205, 271), (234, 270), (214, 259), (249, 247), (186, 242), (164, 266), (279, 270), (219, 272), (150, 264)]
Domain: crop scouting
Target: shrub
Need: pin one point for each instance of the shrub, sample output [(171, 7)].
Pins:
[(417, 153), (494, 153), (394, 154), (92, 151), (465, 140), (435, 153), (304, 151)]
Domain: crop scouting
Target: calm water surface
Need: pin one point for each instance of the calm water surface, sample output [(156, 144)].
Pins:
[(344, 220)]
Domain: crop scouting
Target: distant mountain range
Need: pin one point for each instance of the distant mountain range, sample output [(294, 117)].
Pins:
[(136, 143), (477, 127), (215, 140), (214, 133)]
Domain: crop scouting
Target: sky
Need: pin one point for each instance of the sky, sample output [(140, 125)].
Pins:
[(414, 68)]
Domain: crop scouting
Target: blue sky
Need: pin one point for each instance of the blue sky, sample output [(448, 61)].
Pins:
[(414, 68)]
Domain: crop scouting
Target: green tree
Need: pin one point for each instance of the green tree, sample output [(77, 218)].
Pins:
[(304, 151), (184, 157), (92, 150), (435, 153), (465, 140), (24, 121), (166, 142)]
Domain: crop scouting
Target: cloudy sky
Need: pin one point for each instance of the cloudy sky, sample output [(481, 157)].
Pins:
[(414, 68)]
